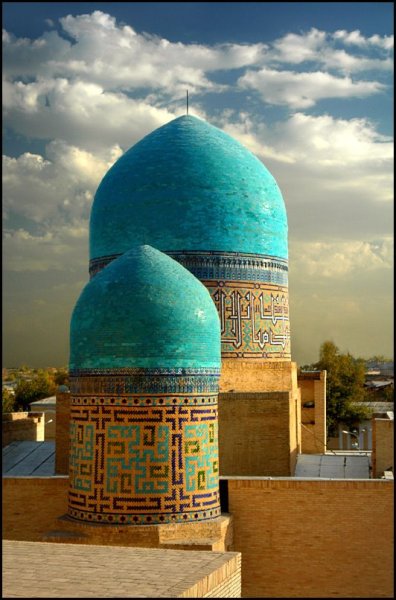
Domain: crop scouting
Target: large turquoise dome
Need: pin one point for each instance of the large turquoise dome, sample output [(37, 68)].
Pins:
[(188, 186), (144, 310)]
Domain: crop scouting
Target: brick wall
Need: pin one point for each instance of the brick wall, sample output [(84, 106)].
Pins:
[(257, 433), (238, 375), (22, 426), (313, 539), (62, 447), (297, 538), (313, 419), (294, 429), (50, 425), (230, 581), (383, 451), (32, 505)]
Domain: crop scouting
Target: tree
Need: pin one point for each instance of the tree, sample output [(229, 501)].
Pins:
[(345, 386), (41, 386), (389, 394), (61, 377), (8, 401), (379, 358)]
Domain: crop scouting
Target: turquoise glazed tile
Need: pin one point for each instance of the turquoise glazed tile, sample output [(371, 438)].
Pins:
[(144, 310), (189, 186)]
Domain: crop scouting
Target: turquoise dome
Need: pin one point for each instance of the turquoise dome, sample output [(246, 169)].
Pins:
[(144, 310), (188, 186)]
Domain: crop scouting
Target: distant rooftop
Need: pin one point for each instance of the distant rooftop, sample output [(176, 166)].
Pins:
[(379, 383), (313, 374), (50, 401), (21, 459), (345, 465), (377, 407), (38, 459)]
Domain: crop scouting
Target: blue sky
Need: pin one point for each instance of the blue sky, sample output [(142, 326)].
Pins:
[(307, 87)]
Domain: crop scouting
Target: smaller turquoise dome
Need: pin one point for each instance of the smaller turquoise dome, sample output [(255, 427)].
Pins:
[(144, 310)]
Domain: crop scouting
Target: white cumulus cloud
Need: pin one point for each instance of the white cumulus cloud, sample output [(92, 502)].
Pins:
[(303, 90), (95, 87)]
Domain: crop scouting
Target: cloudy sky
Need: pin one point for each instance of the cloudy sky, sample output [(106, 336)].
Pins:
[(307, 87)]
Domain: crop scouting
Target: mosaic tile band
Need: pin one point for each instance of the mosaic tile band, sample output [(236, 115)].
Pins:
[(121, 382), (220, 266), (200, 515), (143, 464), (233, 266), (164, 400)]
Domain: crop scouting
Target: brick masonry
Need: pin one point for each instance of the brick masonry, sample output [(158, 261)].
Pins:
[(62, 448), (23, 426), (258, 433), (383, 446), (102, 572), (313, 419), (32, 505), (297, 538), (238, 375), (34, 509), (313, 539)]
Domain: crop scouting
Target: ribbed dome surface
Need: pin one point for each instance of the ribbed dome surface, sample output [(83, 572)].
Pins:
[(144, 310), (188, 186)]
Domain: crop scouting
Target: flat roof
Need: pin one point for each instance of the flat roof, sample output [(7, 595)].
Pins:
[(29, 458), (376, 406), (54, 570), (51, 401), (334, 466), (38, 459)]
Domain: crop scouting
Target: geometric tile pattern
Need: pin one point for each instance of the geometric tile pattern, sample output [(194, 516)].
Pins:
[(144, 464)]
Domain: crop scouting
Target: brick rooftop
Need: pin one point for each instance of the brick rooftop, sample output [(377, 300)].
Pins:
[(52, 570)]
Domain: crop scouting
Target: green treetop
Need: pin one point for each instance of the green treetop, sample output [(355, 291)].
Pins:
[(345, 386)]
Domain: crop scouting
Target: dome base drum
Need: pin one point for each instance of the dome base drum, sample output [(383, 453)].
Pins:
[(144, 458)]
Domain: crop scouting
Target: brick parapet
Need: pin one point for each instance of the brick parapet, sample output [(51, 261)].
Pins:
[(383, 446), (257, 433), (22, 426), (239, 375), (340, 533)]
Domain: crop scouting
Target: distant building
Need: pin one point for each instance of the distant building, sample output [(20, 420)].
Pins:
[(10, 386), (48, 407), (383, 369)]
